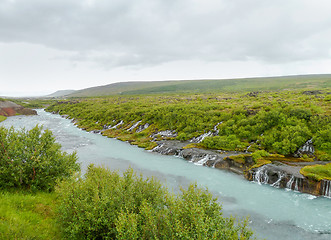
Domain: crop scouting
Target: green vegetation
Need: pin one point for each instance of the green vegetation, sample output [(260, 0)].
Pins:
[(105, 205), (317, 172), (32, 160), (102, 205), (26, 215), (33, 103), (2, 118), (276, 122), (208, 86)]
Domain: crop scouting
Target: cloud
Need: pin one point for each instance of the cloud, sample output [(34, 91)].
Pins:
[(145, 33)]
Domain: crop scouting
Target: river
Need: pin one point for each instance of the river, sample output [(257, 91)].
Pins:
[(273, 213)]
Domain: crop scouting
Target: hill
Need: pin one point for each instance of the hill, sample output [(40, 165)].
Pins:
[(60, 93), (321, 81)]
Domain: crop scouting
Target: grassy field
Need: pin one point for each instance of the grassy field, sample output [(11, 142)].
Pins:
[(27, 216), (209, 86)]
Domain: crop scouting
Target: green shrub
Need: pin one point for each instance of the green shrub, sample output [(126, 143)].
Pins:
[(105, 205), (228, 143), (257, 155), (33, 160)]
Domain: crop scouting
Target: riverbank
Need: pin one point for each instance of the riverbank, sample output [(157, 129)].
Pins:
[(275, 170), (274, 213), (8, 108), (279, 172)]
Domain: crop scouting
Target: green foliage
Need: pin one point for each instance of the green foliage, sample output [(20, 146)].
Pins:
[(2, 118), (322, 141), (260, 154), (317, 172), (208, 86), (28, 216), (33, 160), (105, 205), (277, 122), (230, 142)]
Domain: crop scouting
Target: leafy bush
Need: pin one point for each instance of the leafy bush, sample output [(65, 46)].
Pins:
[(230, 142), (257, 155), (33, 160), (105, 205)]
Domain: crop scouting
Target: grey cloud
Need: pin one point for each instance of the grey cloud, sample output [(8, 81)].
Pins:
[(142, 32)]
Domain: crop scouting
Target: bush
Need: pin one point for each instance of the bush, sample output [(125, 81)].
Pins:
[(228, 143), (105, 205), (33, 160), (259, 154)]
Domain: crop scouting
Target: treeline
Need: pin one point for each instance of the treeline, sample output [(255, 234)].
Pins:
[(45, 197), (277, 122)]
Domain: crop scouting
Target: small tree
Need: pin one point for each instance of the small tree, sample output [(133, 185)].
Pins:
[(33, 160)]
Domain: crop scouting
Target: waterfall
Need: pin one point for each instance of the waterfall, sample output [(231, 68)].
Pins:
[(246, 151), (326, 191), (202, 161), (117, 125), (207, 157), (201, 137), (142, 127), (280, 177), (261, 176), (134, 126), (293, 181), (166, 133), (290, 183), (215, 128), (296, 186)]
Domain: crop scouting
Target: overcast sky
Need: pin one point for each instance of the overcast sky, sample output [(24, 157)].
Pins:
[(73, 44)]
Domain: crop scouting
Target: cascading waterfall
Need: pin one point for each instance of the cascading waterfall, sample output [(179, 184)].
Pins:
[(293, 183), (261, 176), (280, 177), (296, 186), (134, 126), (290, 183), (326, 191), (202, 161)]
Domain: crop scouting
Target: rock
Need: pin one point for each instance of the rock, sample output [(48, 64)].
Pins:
[(8, 108), (314, 92)]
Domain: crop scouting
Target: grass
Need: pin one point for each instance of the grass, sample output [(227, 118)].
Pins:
[(317, 172), (2, 118), (207, 85), (27, 216)]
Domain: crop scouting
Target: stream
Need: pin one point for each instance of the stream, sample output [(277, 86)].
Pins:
[(273, 213)]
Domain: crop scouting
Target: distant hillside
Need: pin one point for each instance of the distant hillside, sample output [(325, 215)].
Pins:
[(203, 86), (60, 93)]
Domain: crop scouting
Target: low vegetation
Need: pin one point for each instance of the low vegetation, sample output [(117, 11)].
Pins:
[(26, 215), (2, 118), (105, 205), (32, 160), (276, 122), (100, 205), (317, 172)]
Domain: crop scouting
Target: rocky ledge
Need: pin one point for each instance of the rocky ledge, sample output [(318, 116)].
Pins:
[(8, 109), (280, 174)]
